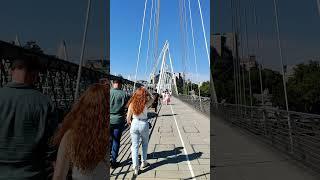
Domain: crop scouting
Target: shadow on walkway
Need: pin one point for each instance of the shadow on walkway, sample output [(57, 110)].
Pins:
[(173, 156), (170, 157), (152, 115), (166, 115)]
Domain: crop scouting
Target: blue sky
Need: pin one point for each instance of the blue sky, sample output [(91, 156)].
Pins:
[(125, 23), (50, 22), (299, 29)]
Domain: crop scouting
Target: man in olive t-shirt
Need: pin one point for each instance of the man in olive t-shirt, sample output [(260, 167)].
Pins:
[(118, 102), (28, 120)]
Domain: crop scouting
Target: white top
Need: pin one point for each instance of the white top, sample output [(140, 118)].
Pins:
[(99, 172), (63, 164), (143, 115)]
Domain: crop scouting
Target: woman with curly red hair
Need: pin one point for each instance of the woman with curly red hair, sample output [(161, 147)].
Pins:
[(83, 138), (137, 110)]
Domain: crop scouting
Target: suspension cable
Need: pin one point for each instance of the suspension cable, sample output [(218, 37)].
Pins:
[(258, 49), (157, 29), (151, 15), (142, 27), (183, 40), (194, 52), (204, 32), (82, 50), (233, 58), (283, 73), (242, 54), (187, 42), (318, 4), (208, 56), (155, 32), (280, 53), (248, 53)]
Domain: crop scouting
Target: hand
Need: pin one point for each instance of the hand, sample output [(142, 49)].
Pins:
[(129, 121)]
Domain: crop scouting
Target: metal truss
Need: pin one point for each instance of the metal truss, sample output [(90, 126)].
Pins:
[(57, 78)]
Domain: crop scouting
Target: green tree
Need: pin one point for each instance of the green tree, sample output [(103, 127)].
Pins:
[(205, 89), (303, 88), (222, 74), (271, 80)]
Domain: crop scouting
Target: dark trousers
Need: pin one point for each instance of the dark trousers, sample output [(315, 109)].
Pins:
[(116, 132)]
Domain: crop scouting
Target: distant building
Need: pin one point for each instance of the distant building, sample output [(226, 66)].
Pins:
[(249, 62), (179, 75), (157, 77), (225, 44), (142, 82), (99, 65)]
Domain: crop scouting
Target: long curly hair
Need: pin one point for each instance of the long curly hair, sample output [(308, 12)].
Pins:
[(138, 100), (88, 122)]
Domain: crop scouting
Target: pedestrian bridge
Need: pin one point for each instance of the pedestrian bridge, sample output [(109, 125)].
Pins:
[(254, 143), (246, 142), (179, 146)]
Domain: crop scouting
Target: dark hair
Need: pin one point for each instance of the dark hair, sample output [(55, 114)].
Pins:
[(119, 81), (30, 63), (104, 81)]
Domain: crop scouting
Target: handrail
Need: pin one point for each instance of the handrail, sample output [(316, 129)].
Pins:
[(271, 125), (202, 106)]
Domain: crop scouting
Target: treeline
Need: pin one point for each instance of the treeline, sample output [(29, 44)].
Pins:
[(302, 85)]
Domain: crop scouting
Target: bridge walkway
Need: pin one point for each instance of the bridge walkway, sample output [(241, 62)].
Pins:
[(178, 131), (238, 155)]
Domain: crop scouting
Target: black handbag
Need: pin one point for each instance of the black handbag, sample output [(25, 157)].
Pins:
[(150, 126)]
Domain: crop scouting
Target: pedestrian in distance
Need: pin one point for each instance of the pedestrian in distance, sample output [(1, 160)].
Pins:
[(166, 98), (155, 103)]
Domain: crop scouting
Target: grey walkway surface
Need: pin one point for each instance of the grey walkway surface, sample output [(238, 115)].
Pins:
[(241, 156), (167, 151)]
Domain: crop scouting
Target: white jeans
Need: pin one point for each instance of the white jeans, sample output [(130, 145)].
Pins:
[(139, 129)]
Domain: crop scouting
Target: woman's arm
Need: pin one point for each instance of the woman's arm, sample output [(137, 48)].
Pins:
[(62, 164), (129, 114)]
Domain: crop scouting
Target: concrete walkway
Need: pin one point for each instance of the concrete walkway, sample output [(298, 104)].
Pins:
[(240, 156), (179, 147)]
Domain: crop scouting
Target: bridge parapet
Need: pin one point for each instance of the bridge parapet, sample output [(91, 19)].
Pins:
[(203, 106), (273, 127), (57, 78)]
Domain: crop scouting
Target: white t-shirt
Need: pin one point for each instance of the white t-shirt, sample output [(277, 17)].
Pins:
[(143, 115)]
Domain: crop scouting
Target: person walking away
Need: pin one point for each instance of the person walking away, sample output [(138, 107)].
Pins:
[(137, 109), (155, 103), (28, 121), (166, 98), (84, 137), (118, 101)]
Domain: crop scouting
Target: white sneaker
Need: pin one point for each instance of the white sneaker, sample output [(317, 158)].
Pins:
[(136, 171), (145, 164)]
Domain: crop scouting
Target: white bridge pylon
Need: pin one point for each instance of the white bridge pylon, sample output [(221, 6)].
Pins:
[(166, 76)]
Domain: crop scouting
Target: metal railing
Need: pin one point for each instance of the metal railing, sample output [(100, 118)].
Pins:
[(297, 134), (202, 106), (57, 78)]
